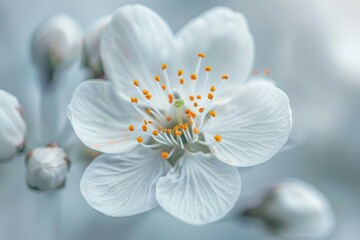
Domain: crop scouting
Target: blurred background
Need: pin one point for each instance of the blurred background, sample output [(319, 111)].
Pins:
[(313, 51)]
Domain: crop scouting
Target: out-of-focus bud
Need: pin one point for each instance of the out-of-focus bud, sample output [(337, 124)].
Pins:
[(56, 43), (293, 209), (46, 167), (12, 126), (91, 46)]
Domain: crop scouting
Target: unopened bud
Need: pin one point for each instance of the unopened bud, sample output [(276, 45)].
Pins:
[(294, 208), (91, 45), (46, 167), (56, 43), (12, 126)]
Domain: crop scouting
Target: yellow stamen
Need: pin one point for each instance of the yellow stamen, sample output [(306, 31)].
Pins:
[(198, 97), (145, 92), (210, 96), (163, 87), (196, 104), (225, 76), (136, 83), (131, 128), (145, 122), (139, 139), (212, 113), (148, 111), (155, 132), (208, 68), (148, 96), (218, 138), (212, 89), (178, 132), (157, 78), (202, 55), (191, 98), (164, 155), (182, 81), (193, 76), (144, 128), (267, 72), (196, 130), (134, 100), (164, 67), (201, 110), (180, 72), (168, 119)]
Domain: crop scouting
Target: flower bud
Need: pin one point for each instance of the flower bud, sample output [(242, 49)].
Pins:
[(46, 167), (12, 126), (56, 43), (91, 46), (294, 208)]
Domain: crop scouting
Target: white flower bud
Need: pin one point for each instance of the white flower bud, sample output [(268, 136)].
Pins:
[(12, 126), (56, 43), (294, 208), (46, 167), (91, 45)]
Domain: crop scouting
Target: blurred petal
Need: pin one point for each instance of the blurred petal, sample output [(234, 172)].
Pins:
[(199, 189), (101, 119), (253, 127), (12, 126), (223, 36), (134, 46), (124, 184)]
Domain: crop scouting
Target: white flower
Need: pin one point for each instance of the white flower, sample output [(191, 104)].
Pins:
[(46, 167), (12, 126), (56, 43), (172, 127), (294, 208), (91, 45)]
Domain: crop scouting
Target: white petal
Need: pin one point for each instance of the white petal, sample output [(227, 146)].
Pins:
[(223, 36), (199, 189), (134, 46), (253, 127), (123, 185), (101, 119), (12, 126)]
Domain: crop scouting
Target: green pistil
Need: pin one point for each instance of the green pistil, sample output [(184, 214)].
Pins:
[(179, 103)]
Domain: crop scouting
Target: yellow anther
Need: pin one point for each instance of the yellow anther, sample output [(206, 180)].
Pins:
[(193, 115), (164, 155), (176, 127), (139, 139), (191, 122), (218, 138), (131, 128), (182, 81), (145, 92), (155, 132), (201, 110), (145, 122), (210, 96), (180, 72), (198, 97), (225, 76), (148, 96), (148, 111), (212, 113), (196, 130), (159, 128), (208, 68), (144, 128), (169, 130), (191, 98), (202, 55), (168, 119), (134, 100), (163, 87), (212, 89), (187, 111), (136, 83), (267, 72), (150, 122), (178, 132), (164, 67), (171, 98), (157, 78), (193, 76), (196, 104)]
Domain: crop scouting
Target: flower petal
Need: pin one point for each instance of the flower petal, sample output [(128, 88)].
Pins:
[(12, 126), (253, 127), (223, 36), (199, 189), (123, 185), (101, 119), (134, 46)]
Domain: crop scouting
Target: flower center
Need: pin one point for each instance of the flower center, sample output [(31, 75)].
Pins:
[(188, 112)]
